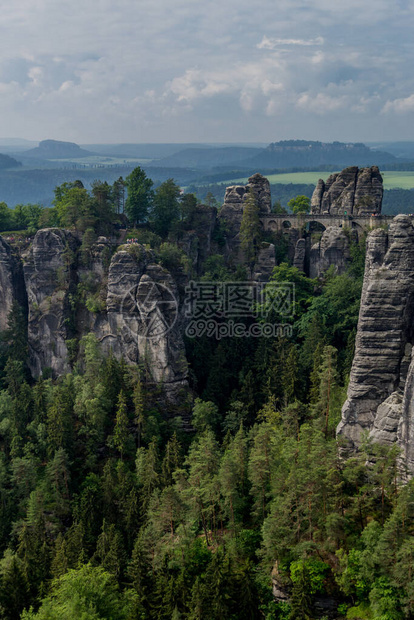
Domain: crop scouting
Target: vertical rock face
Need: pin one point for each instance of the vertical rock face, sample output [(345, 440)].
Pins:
[(11, 283), (265, 263), (379, 391), (260, 186), (49, 282), (356, 191), (231, 212), (332, 249), (300, 252), (143, 319)]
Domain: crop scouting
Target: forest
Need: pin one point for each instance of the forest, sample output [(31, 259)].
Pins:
[(113, 509)]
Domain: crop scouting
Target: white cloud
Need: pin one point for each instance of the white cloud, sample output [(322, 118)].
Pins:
[(322, 103), (400, 106), (273, 43), (121, 71)]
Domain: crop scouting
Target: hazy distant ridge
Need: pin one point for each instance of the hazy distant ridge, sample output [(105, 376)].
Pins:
[(55, 149)]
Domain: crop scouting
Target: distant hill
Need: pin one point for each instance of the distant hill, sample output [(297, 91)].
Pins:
[(54, 149), (284, 154), (306, 153), (140, 151), (8, 162), (208, 158)]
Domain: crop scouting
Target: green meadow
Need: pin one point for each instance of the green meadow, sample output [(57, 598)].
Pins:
[(392, 180)]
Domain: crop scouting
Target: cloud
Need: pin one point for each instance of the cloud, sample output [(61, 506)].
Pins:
[(322, 103), (400, 106), (127, 71), (272, 43)]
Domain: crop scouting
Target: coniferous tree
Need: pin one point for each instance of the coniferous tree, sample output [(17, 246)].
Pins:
[(140, 195), (121, 432)]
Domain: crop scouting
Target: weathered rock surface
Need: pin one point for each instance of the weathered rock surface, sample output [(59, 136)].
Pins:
[(49, 279), (265, 263), (231, 213), (11, 283), (331, 249), (378, 387), (139, 320), (143, 320), (300, 255), (356, 191)]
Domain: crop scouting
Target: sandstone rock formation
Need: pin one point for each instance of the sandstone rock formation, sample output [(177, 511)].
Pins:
[(300, 255), (139, 320), (356, 191), (381, 384), (143, 318), (11, 282), (49, 278), (265, 263), (231, 212), (331, 249)]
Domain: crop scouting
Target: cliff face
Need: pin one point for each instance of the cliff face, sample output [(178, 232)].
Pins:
[(143, 319), (333, 248), (232, 210), (49, 279), (11, 282), (137, 318), (356, 191), (382, 376)]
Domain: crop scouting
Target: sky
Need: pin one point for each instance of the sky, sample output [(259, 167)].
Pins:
[(99, 71)]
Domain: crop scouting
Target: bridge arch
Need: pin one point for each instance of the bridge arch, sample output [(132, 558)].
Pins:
[(314, 226)]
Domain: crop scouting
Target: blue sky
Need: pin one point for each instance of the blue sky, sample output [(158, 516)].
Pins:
[(209, 71)]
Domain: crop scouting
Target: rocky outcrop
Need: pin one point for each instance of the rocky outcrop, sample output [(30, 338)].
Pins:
[(134, 314), (300, 255), (11, 283), (354, 191), (331, 249), (381, 384), (231, 213), (49, 278), (143, 318), (265, 263)]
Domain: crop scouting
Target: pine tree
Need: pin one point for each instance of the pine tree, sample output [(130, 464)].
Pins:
[(301, 601), (121, 432), (172, 460), (328, 390), (147, 464), (110, 551), (139, 407), (14, 587), (60, 562), (140, 195)]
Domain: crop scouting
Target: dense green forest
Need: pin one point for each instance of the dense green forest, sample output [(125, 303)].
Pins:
[(111, 510)]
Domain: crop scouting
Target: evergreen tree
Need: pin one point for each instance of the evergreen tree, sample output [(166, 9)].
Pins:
[(140, 195), (121, 432), (166, 207)]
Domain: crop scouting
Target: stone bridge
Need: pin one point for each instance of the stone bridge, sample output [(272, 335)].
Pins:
[(277, 223)]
